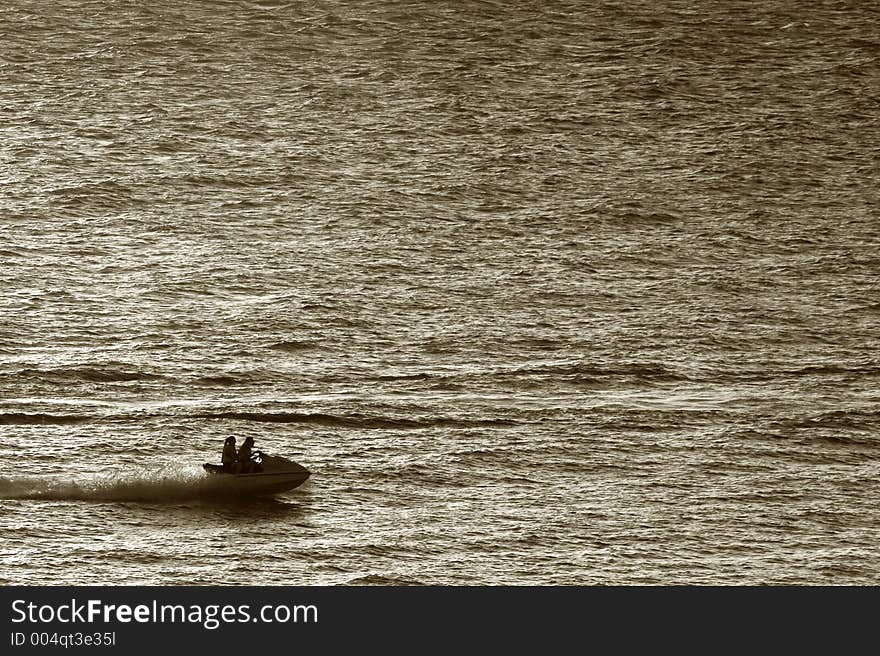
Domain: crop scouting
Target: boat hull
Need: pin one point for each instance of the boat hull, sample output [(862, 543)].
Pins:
[(278, 475), (254, 484)]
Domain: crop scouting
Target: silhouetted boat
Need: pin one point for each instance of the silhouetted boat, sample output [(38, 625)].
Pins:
[(271, 475)]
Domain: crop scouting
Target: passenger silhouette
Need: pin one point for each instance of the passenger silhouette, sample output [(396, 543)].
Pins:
[(230, 456), (245, 464)]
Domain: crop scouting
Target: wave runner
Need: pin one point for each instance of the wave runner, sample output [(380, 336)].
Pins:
[(268, 475)]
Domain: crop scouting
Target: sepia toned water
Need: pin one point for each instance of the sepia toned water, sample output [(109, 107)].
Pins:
[(558, 293)]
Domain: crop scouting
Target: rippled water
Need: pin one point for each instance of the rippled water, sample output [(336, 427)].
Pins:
[(541, 293)]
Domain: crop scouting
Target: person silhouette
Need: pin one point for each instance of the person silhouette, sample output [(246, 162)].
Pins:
[(245, 464), (230, 456)]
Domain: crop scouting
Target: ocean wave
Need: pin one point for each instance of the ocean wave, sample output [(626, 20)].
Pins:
[(91, 374), (24, 418), (291, 346), (394, 377), (648, 371), (112, 375), (835, 369), (839, 419), (221, 381), (355, 421), (580, 372)]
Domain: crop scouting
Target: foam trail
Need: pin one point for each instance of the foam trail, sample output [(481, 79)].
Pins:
[(164, 485)]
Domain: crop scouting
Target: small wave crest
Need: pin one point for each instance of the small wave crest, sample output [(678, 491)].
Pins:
[(355, 421), (90, 374), (173, 485), (291, 346), (853, 419), (23, 418)]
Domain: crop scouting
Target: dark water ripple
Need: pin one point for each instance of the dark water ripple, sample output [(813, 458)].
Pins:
[(577, 293)]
